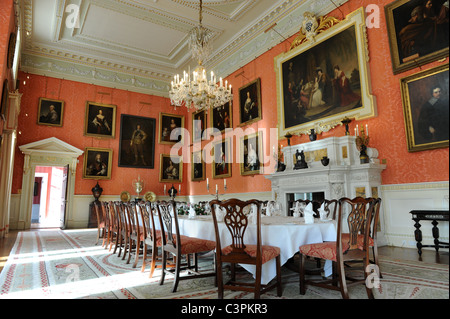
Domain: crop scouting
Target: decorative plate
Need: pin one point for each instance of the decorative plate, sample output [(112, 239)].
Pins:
[(150, 196), (125, 196)]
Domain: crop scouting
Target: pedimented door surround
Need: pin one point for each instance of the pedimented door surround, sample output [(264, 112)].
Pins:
[(47, 152)]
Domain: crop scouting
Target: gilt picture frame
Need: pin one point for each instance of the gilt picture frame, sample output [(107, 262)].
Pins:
[(170, 169), (221, 117), (100, 120), (97, 163), (50, 112), (336, 64), (137, 141), (250, 103), (425, 98), (222, 158), (168, 124), (251, 154), (199, 125), (418, 32), (198, 166)]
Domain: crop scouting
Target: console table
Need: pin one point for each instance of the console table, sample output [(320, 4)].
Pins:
[(434, 216)]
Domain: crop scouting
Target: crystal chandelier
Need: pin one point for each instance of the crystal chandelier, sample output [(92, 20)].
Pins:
[(196, 91)]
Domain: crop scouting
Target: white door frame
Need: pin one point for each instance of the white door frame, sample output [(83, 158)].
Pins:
[(47, 152)]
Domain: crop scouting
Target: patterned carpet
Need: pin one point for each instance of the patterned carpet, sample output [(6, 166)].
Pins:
[(68, 265)]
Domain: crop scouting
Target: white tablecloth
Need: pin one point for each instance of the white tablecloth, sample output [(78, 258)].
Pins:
[(288, 233)]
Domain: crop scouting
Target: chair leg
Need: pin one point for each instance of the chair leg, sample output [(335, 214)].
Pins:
[(177, 274), (302, 260), (368, 290), (163, 267), (279, 289), (125, 251), (144, 257), (219, 279), (342, 281), (136, 258), (375, 259), (153, 264), (117, 241), (130, 243)]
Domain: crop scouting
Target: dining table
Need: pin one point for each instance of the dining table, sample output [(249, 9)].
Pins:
[(287, 233)]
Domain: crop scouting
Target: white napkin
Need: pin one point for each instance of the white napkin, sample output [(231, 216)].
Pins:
[(322, 212), (220, 213), (269, 208), (252, 218), (192, 214), (309, 214)]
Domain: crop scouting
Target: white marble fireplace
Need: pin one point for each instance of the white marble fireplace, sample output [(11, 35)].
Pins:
[(344, 176)]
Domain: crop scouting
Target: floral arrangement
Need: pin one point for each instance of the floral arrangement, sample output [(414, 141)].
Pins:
[(199, 210), (184, 209)]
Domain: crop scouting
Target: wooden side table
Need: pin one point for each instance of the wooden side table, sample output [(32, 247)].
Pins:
[(434, 216)]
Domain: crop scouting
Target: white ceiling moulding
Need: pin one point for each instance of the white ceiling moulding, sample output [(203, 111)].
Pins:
[(97, 76)]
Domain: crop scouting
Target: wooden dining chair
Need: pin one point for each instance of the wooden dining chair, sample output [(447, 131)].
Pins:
[(373, 229), (179, 246), (358, 219), (101, 223), (152, 237), (135, 231), (117, 227), (109, 221), (240, 252)]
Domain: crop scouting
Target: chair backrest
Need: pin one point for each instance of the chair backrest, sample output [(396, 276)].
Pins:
[(168, 220), (374, 218), (147, 210), (105, 213), (120, 206), (116, 215), (358, 221), (133, 219), (331, 206), (237, 222)]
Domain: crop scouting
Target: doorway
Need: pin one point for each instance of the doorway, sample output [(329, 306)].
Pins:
[(49, 197)]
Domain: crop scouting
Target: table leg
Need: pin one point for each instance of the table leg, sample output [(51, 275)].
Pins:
[(418, 236), (435, 231)]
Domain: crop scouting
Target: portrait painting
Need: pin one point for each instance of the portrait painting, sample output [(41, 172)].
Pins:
[(222, 117), (137, 141), (222, 158), (168, 125), (320, 82), (425, 108), (198, 166), (250, 102), (251, 154), (418, 32), (97, 163), (171, 169), (198, 125), (100, 120), (50, 112)]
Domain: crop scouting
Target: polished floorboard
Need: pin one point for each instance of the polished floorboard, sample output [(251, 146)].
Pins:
[(429, 256)]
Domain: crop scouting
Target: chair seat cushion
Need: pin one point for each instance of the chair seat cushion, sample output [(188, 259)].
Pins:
[(190, 245), (326, 250), (268, 252), (359, 240)]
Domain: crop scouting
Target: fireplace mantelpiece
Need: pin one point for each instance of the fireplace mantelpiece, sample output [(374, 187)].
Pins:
[(343, 177)]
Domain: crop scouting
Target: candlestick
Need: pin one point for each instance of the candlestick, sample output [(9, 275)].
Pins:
[(367, 130), (179, 188), (164, 189), (217, 188), (355, 132)]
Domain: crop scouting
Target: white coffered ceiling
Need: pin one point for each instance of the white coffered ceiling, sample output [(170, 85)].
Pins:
[(139, 45)]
